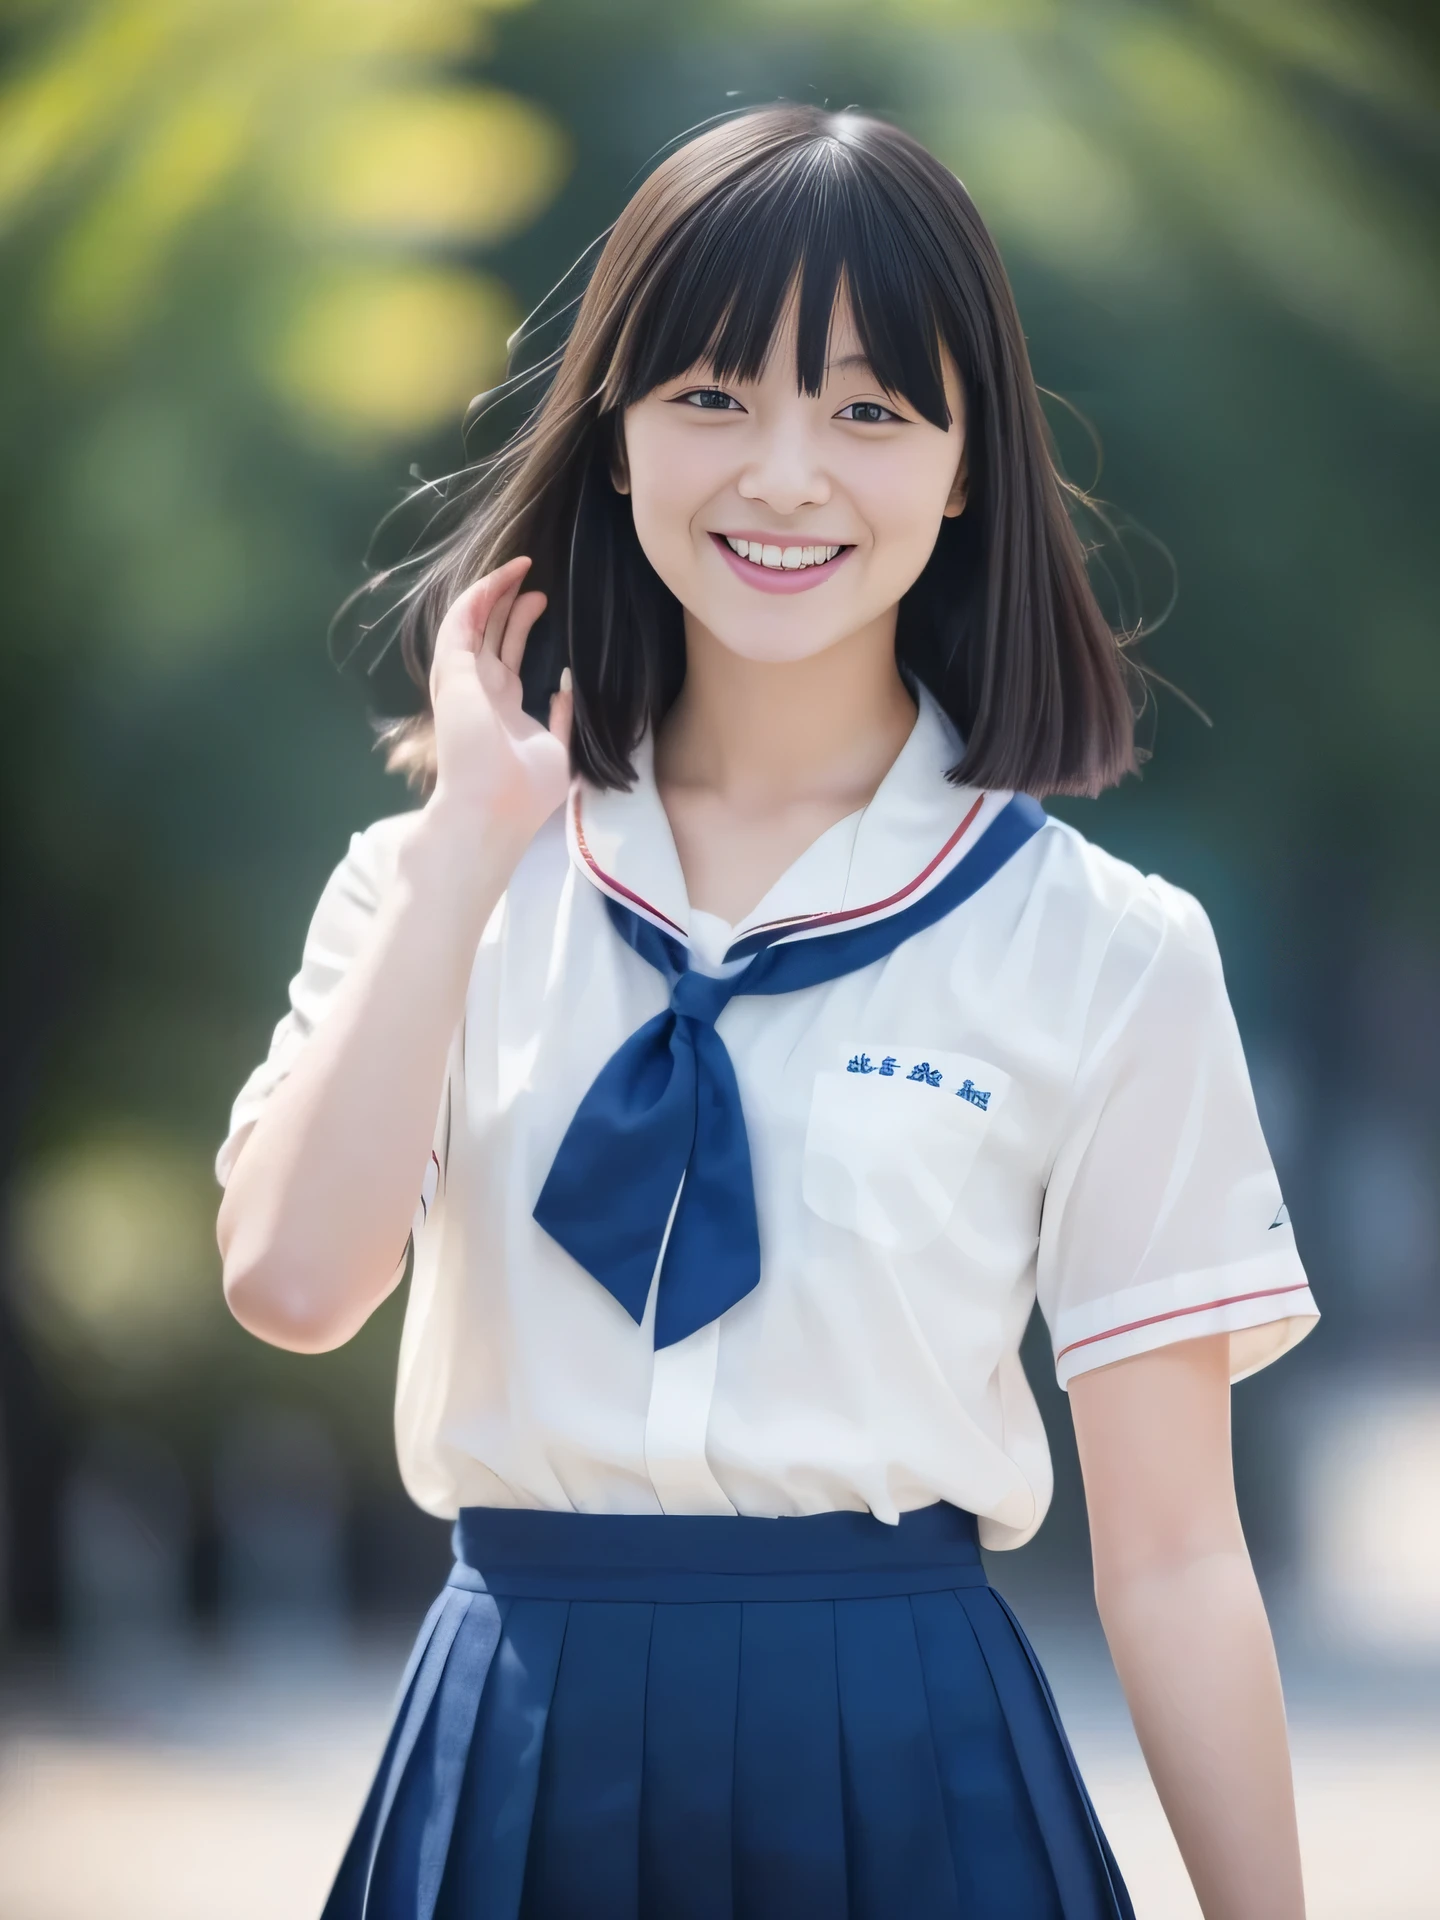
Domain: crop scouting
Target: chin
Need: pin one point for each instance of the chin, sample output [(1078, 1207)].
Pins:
[(774, 649)]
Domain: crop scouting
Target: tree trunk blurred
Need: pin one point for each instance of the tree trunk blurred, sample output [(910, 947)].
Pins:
[(35, 975)]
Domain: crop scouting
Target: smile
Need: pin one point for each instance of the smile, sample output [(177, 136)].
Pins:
[(774, 556), (776, 568)]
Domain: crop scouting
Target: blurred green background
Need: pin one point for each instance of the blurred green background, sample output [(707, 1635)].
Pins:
[(255, 258)]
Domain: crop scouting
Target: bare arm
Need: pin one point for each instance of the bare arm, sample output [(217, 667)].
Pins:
[(1186, 1624), (319, 1204)]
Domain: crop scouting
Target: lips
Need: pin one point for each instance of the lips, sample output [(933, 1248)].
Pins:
[(798, 577)]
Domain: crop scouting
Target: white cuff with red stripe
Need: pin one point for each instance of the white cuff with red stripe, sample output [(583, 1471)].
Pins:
[(1265, 1303)]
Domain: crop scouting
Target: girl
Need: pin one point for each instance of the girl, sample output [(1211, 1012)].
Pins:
[(760, 1052)]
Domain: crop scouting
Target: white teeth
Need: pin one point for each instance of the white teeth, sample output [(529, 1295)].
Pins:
[(789, 558)]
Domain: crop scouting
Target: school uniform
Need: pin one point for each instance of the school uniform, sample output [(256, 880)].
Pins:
[(728, 1241)]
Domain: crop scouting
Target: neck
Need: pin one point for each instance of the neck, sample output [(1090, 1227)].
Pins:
[(763, 735)]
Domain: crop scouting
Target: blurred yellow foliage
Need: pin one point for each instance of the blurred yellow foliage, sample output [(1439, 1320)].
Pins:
[(959, 16), (107, 261), (68, 100), (1095, 134), (340, 145), (382, 350), (1049, 180), (117, 1252), (1343, 44), (466, 165), (1290, 202)]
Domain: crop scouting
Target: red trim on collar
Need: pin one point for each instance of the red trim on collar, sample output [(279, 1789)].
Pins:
[(805, 921), (608, 880), (797, 923)]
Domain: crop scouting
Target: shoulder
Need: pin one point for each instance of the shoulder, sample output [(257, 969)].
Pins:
[(374, 851), (358, 883), (1117, 898), (1129, 934), (373, 856)]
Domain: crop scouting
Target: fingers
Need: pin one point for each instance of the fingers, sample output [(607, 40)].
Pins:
[(562, 710), (498, 620), (464, 626), (524, 613)]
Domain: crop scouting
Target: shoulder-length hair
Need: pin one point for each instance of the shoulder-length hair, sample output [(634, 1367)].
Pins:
[(794, 204)]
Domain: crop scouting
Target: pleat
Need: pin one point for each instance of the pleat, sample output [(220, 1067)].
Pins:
[(789, 1790), (1002, 1870), (686, 1802), (585, 1844), (349, 1896), (485, 1871), (411, 1851), (899, 1848), (1090, 1880), (603, 1759)]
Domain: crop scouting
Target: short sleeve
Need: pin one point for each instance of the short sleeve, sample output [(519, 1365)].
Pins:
[(1163, 1218), (338, 930)]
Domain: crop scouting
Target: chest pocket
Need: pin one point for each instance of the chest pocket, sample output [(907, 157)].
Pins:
[(887, 1154)]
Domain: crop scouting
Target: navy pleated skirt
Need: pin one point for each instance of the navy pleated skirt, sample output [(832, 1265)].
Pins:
[(663, 1718)]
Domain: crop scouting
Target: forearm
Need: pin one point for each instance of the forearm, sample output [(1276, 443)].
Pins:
[(1193, 1649), (319, 1205)]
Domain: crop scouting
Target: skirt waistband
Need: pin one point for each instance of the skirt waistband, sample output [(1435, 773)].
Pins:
[(655, 1557)]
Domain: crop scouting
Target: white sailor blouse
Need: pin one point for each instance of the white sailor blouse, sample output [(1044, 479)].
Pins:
[(1037, 1090)]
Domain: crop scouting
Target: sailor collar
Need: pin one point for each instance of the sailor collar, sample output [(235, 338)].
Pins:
[(875, 862)]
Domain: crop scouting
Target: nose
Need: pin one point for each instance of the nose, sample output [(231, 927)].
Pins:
[(784, 472)]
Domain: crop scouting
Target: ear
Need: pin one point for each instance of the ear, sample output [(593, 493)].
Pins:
[(619, 465), (959, 491)]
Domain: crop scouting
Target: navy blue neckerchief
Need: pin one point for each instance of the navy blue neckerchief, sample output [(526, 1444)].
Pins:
[(665, 1107)]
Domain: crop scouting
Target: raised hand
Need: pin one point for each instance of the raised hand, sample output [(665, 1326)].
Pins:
[(494, 763), (320, 1200)]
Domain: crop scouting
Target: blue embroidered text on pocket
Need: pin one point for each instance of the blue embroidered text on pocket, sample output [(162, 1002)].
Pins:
[(921, 1070), (924, 1072), (887, 1151)]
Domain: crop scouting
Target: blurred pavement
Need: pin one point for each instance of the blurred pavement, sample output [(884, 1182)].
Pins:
[(220, 1783)]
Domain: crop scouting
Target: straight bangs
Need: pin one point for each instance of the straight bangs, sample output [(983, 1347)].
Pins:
[(791, 213), (806, 232)]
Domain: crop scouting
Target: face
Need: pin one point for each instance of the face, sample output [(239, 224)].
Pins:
[(785, 523)]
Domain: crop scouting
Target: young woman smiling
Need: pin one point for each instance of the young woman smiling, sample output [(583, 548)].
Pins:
[(760, 1052), (787, 720)]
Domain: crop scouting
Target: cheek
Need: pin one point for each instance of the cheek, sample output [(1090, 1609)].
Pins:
[(905, 493), (671, 477)]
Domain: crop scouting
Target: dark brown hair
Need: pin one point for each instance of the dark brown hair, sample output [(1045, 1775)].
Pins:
[(794, 203)]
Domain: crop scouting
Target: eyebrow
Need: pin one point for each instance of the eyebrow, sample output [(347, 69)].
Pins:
[(850, 360)]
